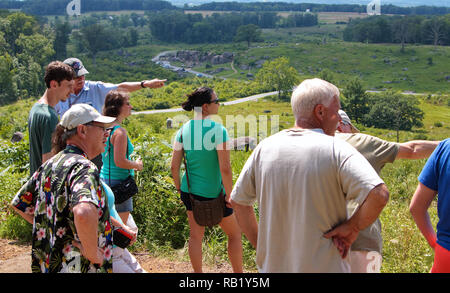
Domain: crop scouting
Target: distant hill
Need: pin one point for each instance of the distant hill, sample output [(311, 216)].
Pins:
[(404, 7), (403, 3)]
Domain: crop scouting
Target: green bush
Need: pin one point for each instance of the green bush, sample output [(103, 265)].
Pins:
[(158, 211)]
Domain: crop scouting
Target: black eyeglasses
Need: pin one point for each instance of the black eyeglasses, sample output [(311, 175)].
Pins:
[(216, 101), (103, 128)]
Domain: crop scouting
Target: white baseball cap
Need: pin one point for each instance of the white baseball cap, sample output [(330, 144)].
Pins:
[(81, 114)]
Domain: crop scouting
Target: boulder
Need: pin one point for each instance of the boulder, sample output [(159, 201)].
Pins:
[(244, 142), (17, 136)]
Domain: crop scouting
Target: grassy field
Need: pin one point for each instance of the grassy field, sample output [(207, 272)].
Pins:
[(324, 17), (405, 250)]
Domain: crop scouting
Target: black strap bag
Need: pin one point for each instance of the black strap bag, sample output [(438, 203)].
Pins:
[(206, 212), (125, 189)]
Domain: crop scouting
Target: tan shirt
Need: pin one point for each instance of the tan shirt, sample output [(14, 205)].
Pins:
[(378, 152), (302, 180)]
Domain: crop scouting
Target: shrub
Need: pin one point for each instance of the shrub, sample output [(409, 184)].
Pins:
[(158, 212)]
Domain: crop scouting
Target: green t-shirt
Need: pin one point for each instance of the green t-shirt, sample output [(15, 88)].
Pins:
[(378, 152), (109, 169), (200, 139), (42, 121)]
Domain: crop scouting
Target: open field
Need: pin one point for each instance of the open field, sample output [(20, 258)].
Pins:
[(324, 17)]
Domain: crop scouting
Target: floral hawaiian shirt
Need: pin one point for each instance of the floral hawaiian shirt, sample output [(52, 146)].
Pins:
[(49, 195)]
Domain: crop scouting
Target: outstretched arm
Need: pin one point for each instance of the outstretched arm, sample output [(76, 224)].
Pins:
[(134, 86), (416, 149)]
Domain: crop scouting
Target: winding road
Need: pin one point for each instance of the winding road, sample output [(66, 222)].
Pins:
[(167, 65), (242, 100)]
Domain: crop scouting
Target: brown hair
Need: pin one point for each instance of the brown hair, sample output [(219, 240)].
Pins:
[(58, 71), (113, 102), (198, 98), (60, 137)]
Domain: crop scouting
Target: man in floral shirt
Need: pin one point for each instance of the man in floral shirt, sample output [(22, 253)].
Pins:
[(65, 202)]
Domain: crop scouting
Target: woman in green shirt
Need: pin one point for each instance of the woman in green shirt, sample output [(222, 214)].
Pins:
[(204, 143)]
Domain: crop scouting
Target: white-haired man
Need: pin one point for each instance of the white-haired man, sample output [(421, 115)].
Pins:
[(302, 179), (365, 255)]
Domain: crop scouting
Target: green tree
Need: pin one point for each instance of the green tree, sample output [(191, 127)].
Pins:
[(16, 24), (248, 33), (8, 86), (394, 111), (279, 75), (327, 75), (94, 37), (355, 101), (62, 31)]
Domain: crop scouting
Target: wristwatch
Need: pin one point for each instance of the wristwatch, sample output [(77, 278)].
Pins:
[(142, 84)]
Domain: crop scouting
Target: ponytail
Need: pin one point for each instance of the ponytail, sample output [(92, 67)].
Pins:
[(198, 98)]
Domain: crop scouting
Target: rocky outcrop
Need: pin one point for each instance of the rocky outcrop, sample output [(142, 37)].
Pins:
[(193, 58)]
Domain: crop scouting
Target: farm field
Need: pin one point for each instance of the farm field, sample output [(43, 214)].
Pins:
[(324, 17)]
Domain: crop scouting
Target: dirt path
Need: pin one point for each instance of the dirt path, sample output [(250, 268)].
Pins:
[(15, 258)]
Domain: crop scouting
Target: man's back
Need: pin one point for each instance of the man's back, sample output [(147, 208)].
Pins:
[(42, 121), (302, 180)]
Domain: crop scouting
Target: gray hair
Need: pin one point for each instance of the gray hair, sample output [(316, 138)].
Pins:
[(310, 93)]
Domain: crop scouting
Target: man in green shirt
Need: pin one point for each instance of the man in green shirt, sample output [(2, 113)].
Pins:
[(365, 255), (43, 118)]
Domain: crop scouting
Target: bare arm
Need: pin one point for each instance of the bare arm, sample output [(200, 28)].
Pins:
[(134, 86), (416, 149), (27, 217), (345, 234), (177, 156), (120, 142), (420, 203), (86, 223), (246, 218), (223, 153), (116, 223)]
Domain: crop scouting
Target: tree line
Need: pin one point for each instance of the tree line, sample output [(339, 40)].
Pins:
[(175, 26), (27, 45), (434, 30), (58, 7), (282, 6), (25, 48)]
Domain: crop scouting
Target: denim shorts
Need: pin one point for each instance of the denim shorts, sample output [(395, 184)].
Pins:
[(126, 206), (187, 202)]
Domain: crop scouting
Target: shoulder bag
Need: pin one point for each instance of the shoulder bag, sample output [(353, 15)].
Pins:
[(209, 212)]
